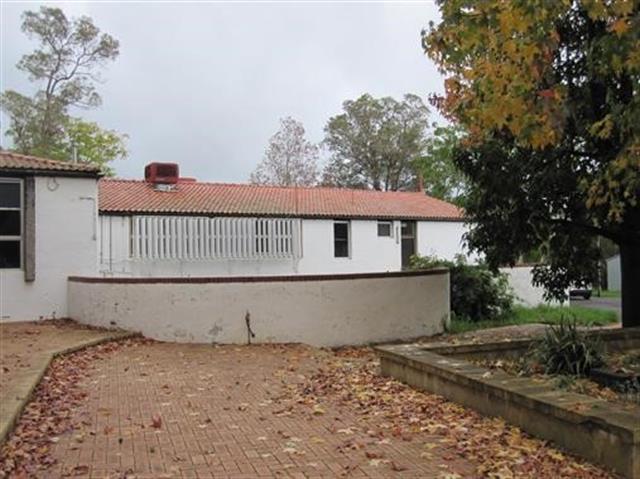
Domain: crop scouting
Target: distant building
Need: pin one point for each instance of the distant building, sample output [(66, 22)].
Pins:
[(613, 273)]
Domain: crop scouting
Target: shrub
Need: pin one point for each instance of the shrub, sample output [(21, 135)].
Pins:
[(565, 350), (477, 293)]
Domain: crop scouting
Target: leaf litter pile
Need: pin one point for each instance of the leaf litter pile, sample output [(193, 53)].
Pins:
[(625, 398), (351, 378), (49, 413)]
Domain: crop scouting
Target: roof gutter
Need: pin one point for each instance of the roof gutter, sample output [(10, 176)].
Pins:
[(40, 172), (280, 215)]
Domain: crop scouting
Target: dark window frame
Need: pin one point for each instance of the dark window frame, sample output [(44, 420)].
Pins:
[(20, 237), (408, 234), (337, 252), (385, 223)]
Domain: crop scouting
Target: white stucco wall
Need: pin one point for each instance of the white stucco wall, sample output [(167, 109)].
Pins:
[(443, 239), (66, 215), (614, 278), (369, 252), (322, 312), (520, 280)]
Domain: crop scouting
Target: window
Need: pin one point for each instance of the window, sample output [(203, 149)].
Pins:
[(341, 239), (384, 228), (202, 238), (10, 223), (263, 237)]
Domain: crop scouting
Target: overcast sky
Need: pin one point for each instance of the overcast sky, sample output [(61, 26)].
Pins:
[(204, 84)]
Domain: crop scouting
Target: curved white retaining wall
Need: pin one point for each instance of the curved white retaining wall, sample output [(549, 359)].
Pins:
[(323, 310)]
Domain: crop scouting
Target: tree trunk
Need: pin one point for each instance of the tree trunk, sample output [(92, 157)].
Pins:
[(630, 272)]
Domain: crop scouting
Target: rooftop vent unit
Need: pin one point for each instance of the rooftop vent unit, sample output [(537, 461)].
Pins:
[(162, 173)]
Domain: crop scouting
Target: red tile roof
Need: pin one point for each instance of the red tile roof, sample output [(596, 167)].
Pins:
[(16, 162), (195, 198)]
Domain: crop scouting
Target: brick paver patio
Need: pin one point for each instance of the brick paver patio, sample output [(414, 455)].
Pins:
[(142, 409), (166, 410), (25, 351), (22, 343)]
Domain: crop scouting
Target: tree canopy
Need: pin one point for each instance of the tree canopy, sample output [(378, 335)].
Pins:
[(92, 144), (442, 178), (549, 95), (376, 142), (65, 66), (289, 159)]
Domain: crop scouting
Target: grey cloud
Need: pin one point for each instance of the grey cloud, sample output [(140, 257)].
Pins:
[(205, 84)]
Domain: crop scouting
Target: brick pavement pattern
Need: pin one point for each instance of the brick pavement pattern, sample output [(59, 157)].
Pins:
[(25, 351), (160, 410), (22, 344)]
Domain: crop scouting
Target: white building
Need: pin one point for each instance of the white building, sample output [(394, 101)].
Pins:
[(167, 226), (48, 231), (59, 219), (614, 278)]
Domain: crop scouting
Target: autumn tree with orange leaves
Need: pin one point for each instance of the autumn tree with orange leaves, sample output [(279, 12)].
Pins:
[(549, 92)]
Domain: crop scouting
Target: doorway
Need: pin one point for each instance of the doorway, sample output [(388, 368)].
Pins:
[(408, 242)]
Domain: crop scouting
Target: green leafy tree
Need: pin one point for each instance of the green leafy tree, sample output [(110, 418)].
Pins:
[(87, 142), (442, 178), (66, 67), (549, 94), (375, 143)]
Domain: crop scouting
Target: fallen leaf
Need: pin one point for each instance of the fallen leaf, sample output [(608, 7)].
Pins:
[(318, 411), (397, 467), (156, 421), (80, 470)]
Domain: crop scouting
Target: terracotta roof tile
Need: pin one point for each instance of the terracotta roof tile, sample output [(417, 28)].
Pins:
[(18, 162), (134, 196)]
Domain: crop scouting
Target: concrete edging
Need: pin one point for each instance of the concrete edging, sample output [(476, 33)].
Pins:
[(589, 427), (16, 405)]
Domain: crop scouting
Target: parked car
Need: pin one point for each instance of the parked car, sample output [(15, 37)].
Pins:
[(584, 292)]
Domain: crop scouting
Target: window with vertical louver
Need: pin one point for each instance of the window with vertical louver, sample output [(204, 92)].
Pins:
[(197, 238)]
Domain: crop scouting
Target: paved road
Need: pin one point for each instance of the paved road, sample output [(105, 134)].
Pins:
[(598, 303)]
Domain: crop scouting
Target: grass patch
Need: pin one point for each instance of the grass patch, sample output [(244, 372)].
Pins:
[(608, 294), (540, 314)]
